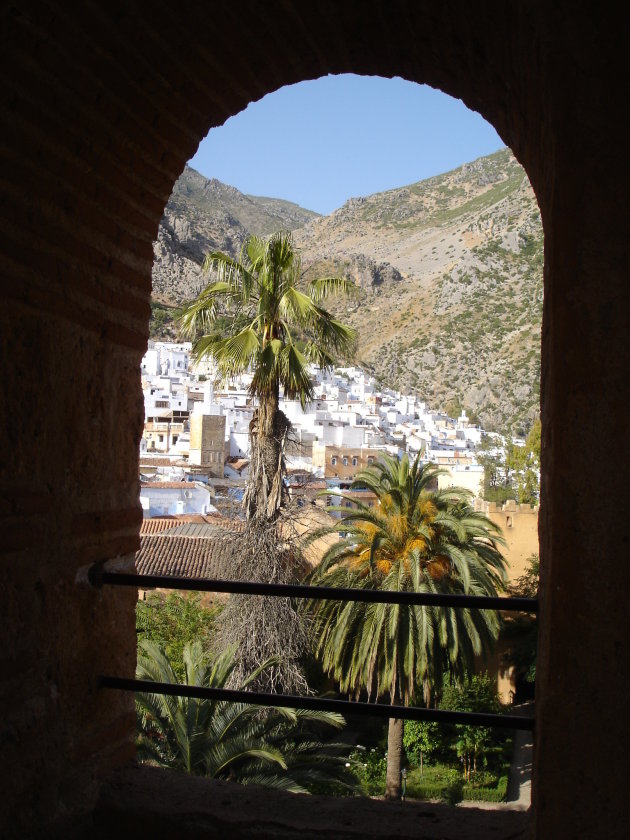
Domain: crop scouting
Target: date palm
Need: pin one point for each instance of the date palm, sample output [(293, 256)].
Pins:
[(416, 539), (276, 327), (276, 747)]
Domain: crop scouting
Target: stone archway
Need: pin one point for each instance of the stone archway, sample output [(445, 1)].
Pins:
[(104, 106)]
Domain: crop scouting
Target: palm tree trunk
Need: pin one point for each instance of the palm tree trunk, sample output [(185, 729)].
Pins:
[(393, 788), (268, 431)]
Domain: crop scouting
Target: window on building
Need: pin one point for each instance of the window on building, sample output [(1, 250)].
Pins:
[(370, 460), (345, 461), (355, 461), (333, 460), (161, 438)]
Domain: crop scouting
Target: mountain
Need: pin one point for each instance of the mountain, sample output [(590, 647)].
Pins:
[(458, 318), (449, 272), (205, 215)]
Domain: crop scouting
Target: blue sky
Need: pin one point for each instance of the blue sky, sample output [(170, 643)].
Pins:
[(321, 142)]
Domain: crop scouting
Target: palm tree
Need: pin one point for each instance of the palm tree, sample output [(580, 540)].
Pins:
[(276, 747), (276, 330), (415, 540)]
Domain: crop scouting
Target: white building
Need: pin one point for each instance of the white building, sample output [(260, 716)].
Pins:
[(468, 476)]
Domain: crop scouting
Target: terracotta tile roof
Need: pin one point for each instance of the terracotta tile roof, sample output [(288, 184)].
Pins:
[(237, 525), (171, 485), (194, 529), (237, 464), (204, 547), (192, 557), (156, 525)]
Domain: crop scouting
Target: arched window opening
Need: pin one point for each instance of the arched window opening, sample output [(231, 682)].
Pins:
[(99, 124), (447, 305)]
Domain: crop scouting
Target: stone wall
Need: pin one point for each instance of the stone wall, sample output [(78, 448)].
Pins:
[(519, 525)]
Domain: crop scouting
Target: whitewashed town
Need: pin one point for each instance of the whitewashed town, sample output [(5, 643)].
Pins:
[(194, 452), (198, 431), (270, 455), (315, 370)]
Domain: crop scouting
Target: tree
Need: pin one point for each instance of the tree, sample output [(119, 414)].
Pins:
[(524, 629), (275, 747), (496, 482), (258, 627), (515, 474), (415, 540), (526, 586), (476, 695), (276, 330), (173, 620), (260, 315), (420, 739), (523, 462)]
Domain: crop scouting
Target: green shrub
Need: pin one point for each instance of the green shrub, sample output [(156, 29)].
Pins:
[(175, 619), (486, 794), (438, 782), (445, 782), (454, 792), (370, 768)]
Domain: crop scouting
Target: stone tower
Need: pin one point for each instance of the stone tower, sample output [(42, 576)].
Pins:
[(207, 442)]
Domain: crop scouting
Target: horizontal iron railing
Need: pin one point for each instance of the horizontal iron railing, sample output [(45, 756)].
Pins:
[(99, 577), (320, 704), (316, 593)]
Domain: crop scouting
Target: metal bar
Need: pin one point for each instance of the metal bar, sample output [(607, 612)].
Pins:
[(320, 704), (321, 593)]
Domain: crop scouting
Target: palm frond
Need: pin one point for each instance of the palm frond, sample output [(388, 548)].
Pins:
[(332, 334), (324, 287), (294, 375), (233, 353), (296, 306), (275, 746), (414, 540), (239, 280)]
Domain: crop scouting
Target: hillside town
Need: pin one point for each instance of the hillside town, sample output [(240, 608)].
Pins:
[(194, 452), (265, 458), (197, 432)]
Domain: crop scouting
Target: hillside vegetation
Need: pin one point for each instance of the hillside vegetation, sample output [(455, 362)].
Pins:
[(449, 272)]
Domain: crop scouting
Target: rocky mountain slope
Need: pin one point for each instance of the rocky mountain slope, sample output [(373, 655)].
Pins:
[(449, 272), (205, 215), (458, 318)]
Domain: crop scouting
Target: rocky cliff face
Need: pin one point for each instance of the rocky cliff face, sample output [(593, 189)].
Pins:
[(456, 318), (449, 272), (204, 215)]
